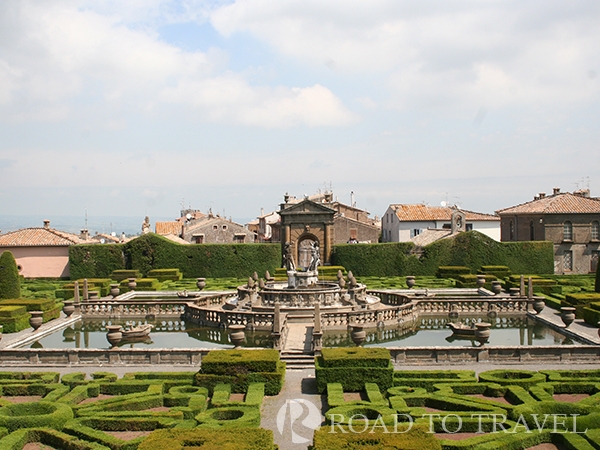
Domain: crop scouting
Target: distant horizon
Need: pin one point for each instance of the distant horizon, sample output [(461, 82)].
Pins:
[(130, 225)]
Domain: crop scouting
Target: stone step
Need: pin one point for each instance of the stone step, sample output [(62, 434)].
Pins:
[(298, 360)]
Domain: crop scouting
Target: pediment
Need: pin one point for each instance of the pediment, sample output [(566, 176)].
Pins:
[(307, 207)]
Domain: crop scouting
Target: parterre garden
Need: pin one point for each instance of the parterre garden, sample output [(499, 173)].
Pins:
[(366, 404)]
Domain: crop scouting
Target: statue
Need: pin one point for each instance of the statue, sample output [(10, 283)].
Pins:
[(288, 258), (146, 225), (315, 258)]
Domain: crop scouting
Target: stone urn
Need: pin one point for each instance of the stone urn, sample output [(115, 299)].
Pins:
[(68, 307), (538, 305), (482, 332), (567, 314), (94, 296), (237, 336), (114, 290), (131, 284), (36, 320), (496, 287), (114, 334), (358, 334), (68, 334), (200, 283), (480, 281), (410, 281)]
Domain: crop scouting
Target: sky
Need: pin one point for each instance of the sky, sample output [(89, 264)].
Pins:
[(139, 108)]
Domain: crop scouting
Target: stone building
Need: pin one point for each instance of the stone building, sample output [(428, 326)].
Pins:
[(197, 228), (404, 222), (321, 219), (571, 221)]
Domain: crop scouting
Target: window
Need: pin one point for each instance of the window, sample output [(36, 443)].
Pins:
[(215, 227), (595, 230), (199, 239), (239, 238), (511, 230), (568, 261), (531, 231), (469, 227), (416, 232), (224, 227), (353, 233), (567, 231)]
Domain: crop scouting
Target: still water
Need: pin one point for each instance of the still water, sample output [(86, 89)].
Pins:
[(433, 331), (165, 334)]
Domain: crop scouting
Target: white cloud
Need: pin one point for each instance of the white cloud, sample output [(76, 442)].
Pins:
[(437, 54), (57, 58)]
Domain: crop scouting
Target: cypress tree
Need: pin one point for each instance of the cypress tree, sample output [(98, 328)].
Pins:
[(10, 282)]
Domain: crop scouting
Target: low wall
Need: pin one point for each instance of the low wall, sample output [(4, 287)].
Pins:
[(99, 357), (575, 354)]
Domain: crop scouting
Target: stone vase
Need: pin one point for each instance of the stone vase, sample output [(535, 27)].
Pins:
[(68, 307), (567, 314), (131, 284), (482, 332), (496, 287), (200, 283), (36, 320), (358, 335), (410, 281), (480, 281), (538, 305), (114, 334), (114, 290), (237, 335)]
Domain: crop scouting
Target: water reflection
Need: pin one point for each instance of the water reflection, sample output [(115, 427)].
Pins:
[(165, 334), (433, 331)]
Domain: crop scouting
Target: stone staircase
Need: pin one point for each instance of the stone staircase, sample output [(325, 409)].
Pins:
[(298, 360)]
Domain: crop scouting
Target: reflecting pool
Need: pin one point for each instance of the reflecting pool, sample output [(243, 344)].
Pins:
[(432, 331), (165, 334)]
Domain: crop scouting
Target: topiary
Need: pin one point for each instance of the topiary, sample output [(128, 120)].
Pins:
[(10, 282)]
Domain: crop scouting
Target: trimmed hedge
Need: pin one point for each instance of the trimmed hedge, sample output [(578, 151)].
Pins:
[(241, 439), (152, 251), (470, 249), (353, 368), (417, 438), (35, 415), (10, 281)]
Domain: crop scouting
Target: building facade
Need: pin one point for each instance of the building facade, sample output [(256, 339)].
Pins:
[(404, 222), (571, 221)]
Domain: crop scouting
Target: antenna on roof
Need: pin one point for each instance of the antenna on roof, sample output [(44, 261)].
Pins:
[(86, 218)]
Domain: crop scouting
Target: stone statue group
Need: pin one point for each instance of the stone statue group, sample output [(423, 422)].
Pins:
[(315, 257)]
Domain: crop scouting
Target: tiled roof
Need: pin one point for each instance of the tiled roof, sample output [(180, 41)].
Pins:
[(175, 239), (422, 213), (429, 236), (164, 228), (37, 237), (563, 203)]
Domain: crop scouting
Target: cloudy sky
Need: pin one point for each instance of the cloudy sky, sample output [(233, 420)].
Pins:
[(137, 107)]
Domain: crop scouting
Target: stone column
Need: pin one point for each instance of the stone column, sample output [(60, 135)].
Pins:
[(522, 287), (85, 290)]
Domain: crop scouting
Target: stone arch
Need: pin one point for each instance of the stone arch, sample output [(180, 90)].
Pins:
[(303, 249)]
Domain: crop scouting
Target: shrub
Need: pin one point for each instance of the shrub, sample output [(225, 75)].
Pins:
[(165, 274), (241, 439), (10, 281), (523, 378), (33, 415), (417, 438)]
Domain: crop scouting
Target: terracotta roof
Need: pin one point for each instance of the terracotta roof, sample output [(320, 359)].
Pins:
[(423, 213), (176, 239), (35, 237), (562, 203), (429, 236), (165, 228)]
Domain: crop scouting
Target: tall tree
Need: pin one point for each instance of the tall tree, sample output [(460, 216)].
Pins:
[(10, 282)]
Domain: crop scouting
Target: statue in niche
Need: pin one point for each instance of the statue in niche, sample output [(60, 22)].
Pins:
[(315, 257), (288, 258)]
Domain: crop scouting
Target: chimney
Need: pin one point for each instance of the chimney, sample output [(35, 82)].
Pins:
[(542, 195), (84, 235), (556, 191), (47, 224)]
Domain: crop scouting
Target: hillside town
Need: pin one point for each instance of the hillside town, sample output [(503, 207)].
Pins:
[(570, 220)]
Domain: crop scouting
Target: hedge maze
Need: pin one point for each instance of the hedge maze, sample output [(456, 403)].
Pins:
[(384, 410), (151, 410), (456, 409)]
